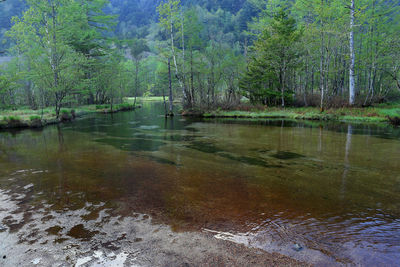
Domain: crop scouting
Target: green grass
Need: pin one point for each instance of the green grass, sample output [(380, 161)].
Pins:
[(102, 106), (12, 118), (370, 114), (131, 100), (34, 117), (28, 116)]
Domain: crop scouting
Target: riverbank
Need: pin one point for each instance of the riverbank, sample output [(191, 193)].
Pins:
[(379, 114), (28, 118), (131, 100)]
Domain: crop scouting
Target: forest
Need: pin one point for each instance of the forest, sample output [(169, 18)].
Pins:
[(207, 55), (199, 133)]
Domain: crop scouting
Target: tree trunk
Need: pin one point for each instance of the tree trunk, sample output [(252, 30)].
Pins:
[(282, 82), (136, 80), (322, 59), (186, 97), (192, 78), (165, 102), (176, 65), (352, 57), (54, 62), (171, 112)]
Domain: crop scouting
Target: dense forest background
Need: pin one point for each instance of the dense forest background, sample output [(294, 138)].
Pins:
[(135, 17), (207, 53)]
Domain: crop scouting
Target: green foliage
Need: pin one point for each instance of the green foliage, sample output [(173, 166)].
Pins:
[(274, 55), (169, 15), (281, 51)]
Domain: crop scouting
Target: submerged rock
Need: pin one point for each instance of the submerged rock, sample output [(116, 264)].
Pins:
[(3, 227), (297, 247), (36, 261), (285, 155)]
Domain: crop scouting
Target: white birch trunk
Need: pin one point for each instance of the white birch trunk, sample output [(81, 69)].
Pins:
[(352, 57), (175, 63)]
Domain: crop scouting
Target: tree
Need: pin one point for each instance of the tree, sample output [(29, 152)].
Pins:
[(171, 22), (87, 36), (137, 47), (352, 94), (192, 35), (41, 36), (276, 54)]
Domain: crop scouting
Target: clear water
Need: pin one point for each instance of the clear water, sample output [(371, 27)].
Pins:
[(334, 189)]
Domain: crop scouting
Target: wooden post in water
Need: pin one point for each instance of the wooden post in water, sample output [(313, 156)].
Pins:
[(165, 102)]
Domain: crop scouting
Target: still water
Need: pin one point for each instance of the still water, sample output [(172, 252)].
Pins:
[(332, 189)]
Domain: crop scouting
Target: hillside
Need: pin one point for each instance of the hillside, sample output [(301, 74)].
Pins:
[(136, 16)]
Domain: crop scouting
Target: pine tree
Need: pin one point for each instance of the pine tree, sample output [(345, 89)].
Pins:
[(276, 54)]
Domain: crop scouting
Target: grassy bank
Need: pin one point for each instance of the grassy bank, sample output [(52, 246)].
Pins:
[(131, 100), (28, 118), (378, 114)]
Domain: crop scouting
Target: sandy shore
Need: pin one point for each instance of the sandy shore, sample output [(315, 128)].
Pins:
[(40, 236)]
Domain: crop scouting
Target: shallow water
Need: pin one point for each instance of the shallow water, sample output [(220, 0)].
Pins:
[(334, 189)]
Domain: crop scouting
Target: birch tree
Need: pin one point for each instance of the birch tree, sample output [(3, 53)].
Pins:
[(352, 93), (40, 35), (171, 23)]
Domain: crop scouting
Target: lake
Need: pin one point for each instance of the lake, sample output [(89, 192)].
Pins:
[(322, 193)]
